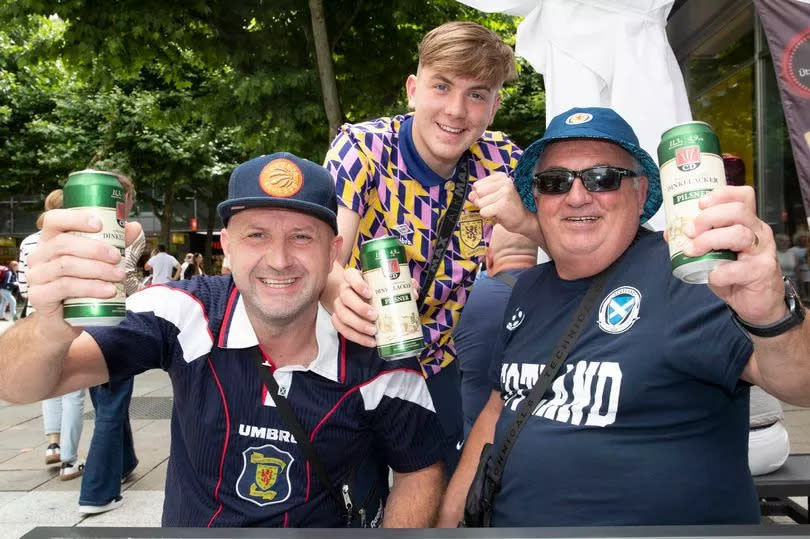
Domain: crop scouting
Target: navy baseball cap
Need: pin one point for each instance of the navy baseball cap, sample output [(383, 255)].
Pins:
[(589, 123), (281, 180)]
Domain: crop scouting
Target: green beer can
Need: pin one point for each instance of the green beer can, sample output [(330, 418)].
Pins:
[(385, 269), (691, 166), (102, 192)]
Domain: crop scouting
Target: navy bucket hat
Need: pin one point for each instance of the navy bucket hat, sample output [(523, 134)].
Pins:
[(589, 123), (281, 180)]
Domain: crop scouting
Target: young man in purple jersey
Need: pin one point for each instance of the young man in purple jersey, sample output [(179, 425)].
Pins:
[(235, 460), (396, 176)]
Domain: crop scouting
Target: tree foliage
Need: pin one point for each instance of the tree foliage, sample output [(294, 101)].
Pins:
[(176, 93)]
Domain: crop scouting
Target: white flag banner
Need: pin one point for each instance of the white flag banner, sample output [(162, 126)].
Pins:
[(603, 53)]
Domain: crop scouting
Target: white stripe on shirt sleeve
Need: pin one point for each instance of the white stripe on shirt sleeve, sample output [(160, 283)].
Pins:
[(400, 384), (182, 310)]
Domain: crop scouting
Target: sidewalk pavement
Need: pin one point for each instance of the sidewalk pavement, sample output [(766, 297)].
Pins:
[(31, 494)]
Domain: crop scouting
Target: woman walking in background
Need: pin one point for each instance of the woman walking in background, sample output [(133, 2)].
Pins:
[(187, 261), (194, 267), (61, 416)]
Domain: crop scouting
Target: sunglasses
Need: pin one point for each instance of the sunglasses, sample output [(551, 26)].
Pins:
[(558, 181)]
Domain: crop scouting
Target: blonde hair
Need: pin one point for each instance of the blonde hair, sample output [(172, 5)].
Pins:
[(468, 50), (54, 201)]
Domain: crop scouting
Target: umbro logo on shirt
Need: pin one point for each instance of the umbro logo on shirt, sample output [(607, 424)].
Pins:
[(267, 433), (404, 231)]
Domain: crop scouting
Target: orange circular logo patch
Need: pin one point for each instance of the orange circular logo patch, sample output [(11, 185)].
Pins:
[(281, 178)]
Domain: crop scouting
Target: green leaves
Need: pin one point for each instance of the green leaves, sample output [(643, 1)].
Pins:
[(176, 93)]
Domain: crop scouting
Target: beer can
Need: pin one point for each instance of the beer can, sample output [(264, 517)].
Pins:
[(103, 193), (691, 166), (385, 269)]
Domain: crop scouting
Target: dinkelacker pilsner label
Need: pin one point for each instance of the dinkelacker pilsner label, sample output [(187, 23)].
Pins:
[(691, 166), (385, 269)]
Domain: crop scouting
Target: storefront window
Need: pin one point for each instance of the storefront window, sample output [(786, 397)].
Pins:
[(781, 197), (721, 54), (731, 84), (721, 87), (729, 108)]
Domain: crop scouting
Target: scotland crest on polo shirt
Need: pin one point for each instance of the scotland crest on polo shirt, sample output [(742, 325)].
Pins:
[(265, 477), (619, 310)]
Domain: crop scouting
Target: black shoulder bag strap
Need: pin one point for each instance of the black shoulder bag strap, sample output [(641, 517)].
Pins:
[(506, 278), (301, 436), (446, 227), (558, 357)]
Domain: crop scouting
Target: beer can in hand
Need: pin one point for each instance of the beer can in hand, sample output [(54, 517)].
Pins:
[(691, 166), (103, 193), (385, 269)]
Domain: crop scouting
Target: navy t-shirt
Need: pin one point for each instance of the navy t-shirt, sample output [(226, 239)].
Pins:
[(233, 460), (475, 336), (647, 423)]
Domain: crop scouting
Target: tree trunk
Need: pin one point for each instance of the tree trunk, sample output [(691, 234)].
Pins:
[(166, 219), (326, 70)]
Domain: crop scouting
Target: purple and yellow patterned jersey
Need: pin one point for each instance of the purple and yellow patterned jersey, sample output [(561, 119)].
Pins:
[(379, 175)]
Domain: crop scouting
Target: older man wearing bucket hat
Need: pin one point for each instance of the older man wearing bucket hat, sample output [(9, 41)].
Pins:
[(277, 421), (646, 420)]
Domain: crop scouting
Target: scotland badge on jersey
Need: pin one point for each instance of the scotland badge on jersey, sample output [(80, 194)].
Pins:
[(265, 477), (619, 310)]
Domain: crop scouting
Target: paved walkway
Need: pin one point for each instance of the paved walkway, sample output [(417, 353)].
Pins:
[(31, 494)]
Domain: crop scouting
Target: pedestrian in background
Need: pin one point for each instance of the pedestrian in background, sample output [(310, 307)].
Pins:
[(61, 416), (8, 287), (187, 261), (111, 458), (193, 267), (164, 267)]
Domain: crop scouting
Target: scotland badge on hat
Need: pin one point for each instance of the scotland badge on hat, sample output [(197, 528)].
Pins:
[(281, 180)]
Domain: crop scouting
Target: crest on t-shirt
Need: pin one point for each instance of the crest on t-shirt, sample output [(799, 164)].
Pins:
[(619, 310), (265, 477)]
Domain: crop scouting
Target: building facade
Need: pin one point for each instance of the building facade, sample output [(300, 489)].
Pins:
[(731, 83)]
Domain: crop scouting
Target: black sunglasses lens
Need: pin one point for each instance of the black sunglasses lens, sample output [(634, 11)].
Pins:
[(553, 182), (602, 179)]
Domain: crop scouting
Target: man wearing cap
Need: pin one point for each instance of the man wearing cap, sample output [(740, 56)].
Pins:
[(234, 459), (646, 422)]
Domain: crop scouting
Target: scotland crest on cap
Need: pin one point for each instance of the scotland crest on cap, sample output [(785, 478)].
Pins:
[(579, 118)]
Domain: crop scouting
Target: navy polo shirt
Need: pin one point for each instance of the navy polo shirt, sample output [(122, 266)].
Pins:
[(233, 461)]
